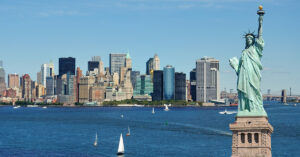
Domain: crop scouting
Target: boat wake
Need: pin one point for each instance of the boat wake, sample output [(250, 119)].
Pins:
[(204, 129)]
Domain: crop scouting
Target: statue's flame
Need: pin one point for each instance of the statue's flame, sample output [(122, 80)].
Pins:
[(260, 7)]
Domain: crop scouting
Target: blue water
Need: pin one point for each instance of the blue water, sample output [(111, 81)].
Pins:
[(180, 132)]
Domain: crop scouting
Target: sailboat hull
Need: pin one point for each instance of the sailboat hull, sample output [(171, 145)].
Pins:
[(120, 153)]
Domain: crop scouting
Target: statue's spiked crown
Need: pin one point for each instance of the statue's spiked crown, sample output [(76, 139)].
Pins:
[(249, 33)]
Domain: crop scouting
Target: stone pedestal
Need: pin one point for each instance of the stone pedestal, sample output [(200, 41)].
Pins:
[(251, 137)]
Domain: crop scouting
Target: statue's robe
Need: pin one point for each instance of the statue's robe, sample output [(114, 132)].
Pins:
[(249, 77)]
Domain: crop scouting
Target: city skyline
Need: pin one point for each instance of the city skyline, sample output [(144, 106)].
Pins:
[(187, 31)]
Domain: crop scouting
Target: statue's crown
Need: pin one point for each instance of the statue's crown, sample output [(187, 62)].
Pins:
[(249, 33)]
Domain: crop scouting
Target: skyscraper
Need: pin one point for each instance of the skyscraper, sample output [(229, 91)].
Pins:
[(51, 69), (2, 79), (193, 82), (39, 77), (101, 68), (169, 82), (66, 65), (133, 76), (207, 76), (78, 76), (45, 72), (26, 87), (49, 86), (149, 66), (13, 81), (180, 86), (144, 85), (156, 63), (157, 85), (116, 61), (152, 64)]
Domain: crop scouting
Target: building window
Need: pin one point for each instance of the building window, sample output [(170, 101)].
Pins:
[(249, 138), (256, 137), (243, 138)]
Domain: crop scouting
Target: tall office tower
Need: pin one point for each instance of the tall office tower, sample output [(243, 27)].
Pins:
[(71, 87), (13, 81), (101, 68), (152, 64), (45, 72), (78, 76), (180, 86), (26, 87), (94, 63), (49, 86), (96, 58), (85, 83), (66, 65), (2, 79), (122, 73), (193, 82), (51, 69), (156, 63), (149, 66), (126, 86), (207, 76), (33, 90), (144, 85), (169, 82), (188, 90), (116, 61), (116, 78), (157, 85), (128, 62), (133, 76), (39, 77)]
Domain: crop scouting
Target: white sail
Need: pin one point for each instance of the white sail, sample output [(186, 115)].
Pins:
[(96, 140), (153, 110), (121, 145), (166, 108)]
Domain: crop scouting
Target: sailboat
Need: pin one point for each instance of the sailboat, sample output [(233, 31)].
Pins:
[(96, 140), (166, 108), (128, 134), (153, 112), (121, 146), (227, 112)]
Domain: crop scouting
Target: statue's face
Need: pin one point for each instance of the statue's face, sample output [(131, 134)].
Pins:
[(249, 40)]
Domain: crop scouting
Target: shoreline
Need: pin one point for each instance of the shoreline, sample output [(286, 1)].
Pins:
[(120, 106)]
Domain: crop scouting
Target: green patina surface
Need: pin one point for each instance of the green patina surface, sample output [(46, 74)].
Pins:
[(248, 69)]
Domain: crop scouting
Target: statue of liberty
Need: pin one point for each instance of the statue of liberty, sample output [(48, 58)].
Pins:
[(248, 69)]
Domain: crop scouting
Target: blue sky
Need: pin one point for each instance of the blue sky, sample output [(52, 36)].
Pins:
[(34, 32)]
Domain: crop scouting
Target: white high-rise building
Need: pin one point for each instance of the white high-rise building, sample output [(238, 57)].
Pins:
[(156, 63), (207, 80), (45, 72)]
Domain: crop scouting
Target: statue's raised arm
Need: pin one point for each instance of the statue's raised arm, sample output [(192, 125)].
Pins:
[(261, 13)]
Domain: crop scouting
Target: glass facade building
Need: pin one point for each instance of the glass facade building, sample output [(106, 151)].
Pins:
[(143, 86), (92, 65), (169, 83), (49, 86), (157, 85), (116, 61), (133, 76), (193, 84), (66, 65), (180, 86)]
